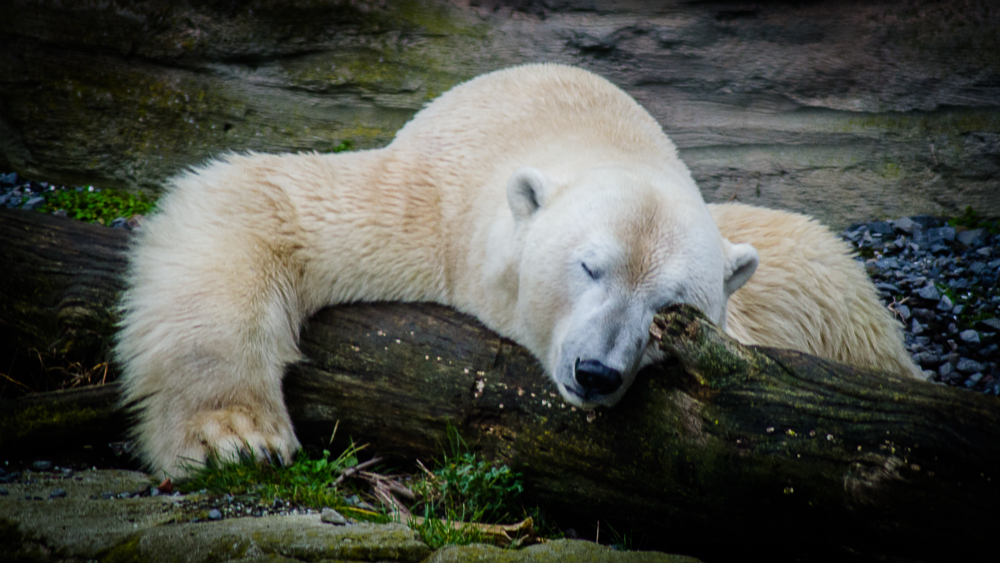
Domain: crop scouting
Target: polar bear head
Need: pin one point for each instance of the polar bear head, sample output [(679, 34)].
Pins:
[(599, 254)]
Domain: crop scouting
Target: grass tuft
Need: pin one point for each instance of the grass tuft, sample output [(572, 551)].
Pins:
[(97, 206), (308, 482), (462, 489)]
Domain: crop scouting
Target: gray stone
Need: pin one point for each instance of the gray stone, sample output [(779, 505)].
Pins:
[(906, 225), (331, 516), (973, 379), (916, 327), (957, 309), (9, 179), (33, 203), (994, 265), (927, 358), (941, 234), (57, 493), (215, 514), (946, 370), (973, 237), (887, 264), (959, 283), (929, 292), (992, 325), (903, 311), (880, 228), (887, 287), (969, 336), (966, 365), (41, 466), (945, 304)]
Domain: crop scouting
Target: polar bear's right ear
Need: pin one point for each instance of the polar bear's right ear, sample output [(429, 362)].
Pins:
[(527, 190), (741, 263)]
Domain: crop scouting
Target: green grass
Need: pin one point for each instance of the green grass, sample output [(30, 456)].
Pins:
[(465, 488), (970, 219), (98, 206), (461, 489), (308, 482), (343, 146)]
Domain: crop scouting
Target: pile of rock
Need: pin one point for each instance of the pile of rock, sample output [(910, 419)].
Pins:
[(940, 281), (18, 193)]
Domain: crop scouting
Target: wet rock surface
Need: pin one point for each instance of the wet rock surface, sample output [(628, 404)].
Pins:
[(116, 515), (557, 551)]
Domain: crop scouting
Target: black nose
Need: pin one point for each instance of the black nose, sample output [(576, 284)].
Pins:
[(597, 377)]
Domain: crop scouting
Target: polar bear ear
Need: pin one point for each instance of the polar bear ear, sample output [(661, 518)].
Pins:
[(526, 191), (741, 263)]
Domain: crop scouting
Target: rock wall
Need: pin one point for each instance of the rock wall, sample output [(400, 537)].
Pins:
[(845, 109)]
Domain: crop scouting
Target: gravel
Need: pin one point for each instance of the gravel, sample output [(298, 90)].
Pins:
[(939, 280)]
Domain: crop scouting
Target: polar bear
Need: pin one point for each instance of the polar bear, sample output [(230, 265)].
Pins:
[(541, 199), (808, 294)]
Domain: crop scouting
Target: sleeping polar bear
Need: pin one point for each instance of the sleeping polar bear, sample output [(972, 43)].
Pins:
[(541, 199)]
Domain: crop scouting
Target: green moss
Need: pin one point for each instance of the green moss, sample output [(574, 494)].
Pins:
[(918, 124), (125, 552)]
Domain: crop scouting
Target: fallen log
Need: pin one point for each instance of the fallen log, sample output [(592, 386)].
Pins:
[(729, 450)]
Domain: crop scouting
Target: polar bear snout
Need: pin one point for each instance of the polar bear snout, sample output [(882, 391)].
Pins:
[(596, 378)]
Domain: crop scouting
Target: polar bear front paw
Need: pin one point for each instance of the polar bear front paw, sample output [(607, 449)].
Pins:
[(233, 432)]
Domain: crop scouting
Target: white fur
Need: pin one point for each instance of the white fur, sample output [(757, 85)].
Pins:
[(808, 293), (491, 200)]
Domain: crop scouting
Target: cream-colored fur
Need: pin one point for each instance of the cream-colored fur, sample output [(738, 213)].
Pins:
[(541, 199), (808, 294)]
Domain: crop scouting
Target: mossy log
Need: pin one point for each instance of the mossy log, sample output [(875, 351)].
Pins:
[(724, 451)]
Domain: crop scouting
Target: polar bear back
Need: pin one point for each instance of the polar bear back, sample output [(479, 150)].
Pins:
[(808, 293)]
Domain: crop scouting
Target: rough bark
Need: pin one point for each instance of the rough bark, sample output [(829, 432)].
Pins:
[(845, 109), (732, 450)]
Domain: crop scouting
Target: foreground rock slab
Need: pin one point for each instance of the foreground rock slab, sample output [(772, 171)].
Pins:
[(84, 524), (557, 551), (49, 516)]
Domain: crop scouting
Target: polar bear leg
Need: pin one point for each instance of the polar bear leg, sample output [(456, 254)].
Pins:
[(209, 323)]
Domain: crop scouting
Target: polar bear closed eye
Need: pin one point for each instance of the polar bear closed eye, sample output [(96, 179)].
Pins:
[(607, 247), (540, 199)]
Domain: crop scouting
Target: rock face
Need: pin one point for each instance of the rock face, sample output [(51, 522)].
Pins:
[(846, 110)]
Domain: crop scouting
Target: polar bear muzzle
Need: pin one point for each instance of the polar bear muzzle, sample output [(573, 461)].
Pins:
[(596, 378)]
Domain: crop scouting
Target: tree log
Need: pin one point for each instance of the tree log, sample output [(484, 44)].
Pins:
[(728, 451)]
